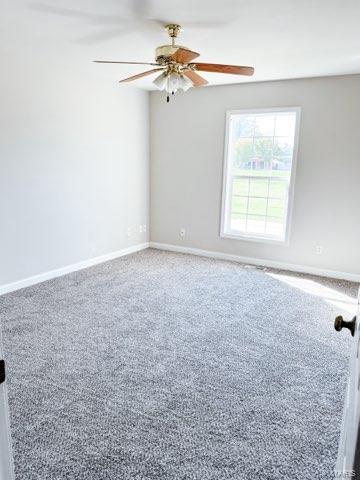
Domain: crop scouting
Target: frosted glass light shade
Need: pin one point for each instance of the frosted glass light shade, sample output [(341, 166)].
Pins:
[(185, 83), (161, 81), (173, 83)]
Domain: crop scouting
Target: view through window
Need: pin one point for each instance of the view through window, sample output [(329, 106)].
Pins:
[(258, 173)]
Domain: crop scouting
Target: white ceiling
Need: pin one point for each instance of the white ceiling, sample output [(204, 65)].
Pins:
[(280, 38)]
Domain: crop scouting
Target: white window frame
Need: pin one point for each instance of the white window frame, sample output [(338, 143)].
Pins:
[(225, 187)]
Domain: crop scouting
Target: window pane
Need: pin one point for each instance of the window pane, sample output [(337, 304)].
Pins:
[(255, 224), (285, 125), (274, 227), (282, 165), (275, 208), (278, 188), (239, 204), (257, 206), (238, 222), (243, 154), (264, 125), (240, 186), (243, 125), (263, 152), (259, 187), (283, 146)]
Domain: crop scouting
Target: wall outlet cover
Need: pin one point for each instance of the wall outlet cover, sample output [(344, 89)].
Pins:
[(319, 249)]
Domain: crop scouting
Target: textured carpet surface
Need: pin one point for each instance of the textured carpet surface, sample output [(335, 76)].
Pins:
[(168, 366)]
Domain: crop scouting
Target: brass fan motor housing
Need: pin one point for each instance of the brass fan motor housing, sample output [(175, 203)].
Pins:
[(164, 52)]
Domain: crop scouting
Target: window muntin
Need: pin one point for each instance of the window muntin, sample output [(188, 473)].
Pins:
[(259, 170)]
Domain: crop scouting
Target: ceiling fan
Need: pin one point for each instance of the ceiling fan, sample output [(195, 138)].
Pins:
[(178, 71)]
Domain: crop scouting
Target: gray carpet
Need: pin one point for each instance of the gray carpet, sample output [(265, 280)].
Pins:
[(168, 366)]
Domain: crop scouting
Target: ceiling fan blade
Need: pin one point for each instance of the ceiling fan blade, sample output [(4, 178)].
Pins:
[(140, 75), (105, 35), (77, 14), (140, 8), (126, 63), (195, 78), (219, 68), (183, 55)]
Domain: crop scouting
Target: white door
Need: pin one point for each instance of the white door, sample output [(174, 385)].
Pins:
[(6, 458), (348, 461)]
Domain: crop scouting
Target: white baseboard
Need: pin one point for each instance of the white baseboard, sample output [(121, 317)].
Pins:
[(353, 277), (42, 277)]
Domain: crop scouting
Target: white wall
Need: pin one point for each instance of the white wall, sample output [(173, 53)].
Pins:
[(74, 164), (187, 145)]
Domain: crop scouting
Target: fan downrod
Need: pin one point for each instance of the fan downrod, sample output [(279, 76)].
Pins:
[(173, 30)]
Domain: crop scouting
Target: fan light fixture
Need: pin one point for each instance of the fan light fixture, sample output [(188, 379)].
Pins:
[(172, 82)]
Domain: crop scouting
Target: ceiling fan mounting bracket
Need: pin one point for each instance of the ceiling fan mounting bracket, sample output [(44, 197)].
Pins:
[(173, 29)]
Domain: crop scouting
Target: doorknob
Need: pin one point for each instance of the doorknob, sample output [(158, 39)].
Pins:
[(2, 371), (341, 323)]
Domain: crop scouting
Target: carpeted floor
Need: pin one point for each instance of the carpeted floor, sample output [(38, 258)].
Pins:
[(171, 367)]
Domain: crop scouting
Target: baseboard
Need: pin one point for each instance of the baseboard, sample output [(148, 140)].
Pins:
[(42, 277), (353, 277)]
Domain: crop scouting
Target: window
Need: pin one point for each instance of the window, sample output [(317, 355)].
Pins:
[(259, 169)]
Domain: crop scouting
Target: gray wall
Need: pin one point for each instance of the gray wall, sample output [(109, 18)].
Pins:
[(187, 145), (74, 166)]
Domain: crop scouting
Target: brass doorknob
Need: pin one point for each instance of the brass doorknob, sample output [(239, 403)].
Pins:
[(341, 323)]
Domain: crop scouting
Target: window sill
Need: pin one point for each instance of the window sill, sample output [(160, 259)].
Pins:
[(254, 238)]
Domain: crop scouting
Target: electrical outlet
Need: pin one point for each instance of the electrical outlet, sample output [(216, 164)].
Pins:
[(182, 232), (140, 228), (128, 232), (319, 249)]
